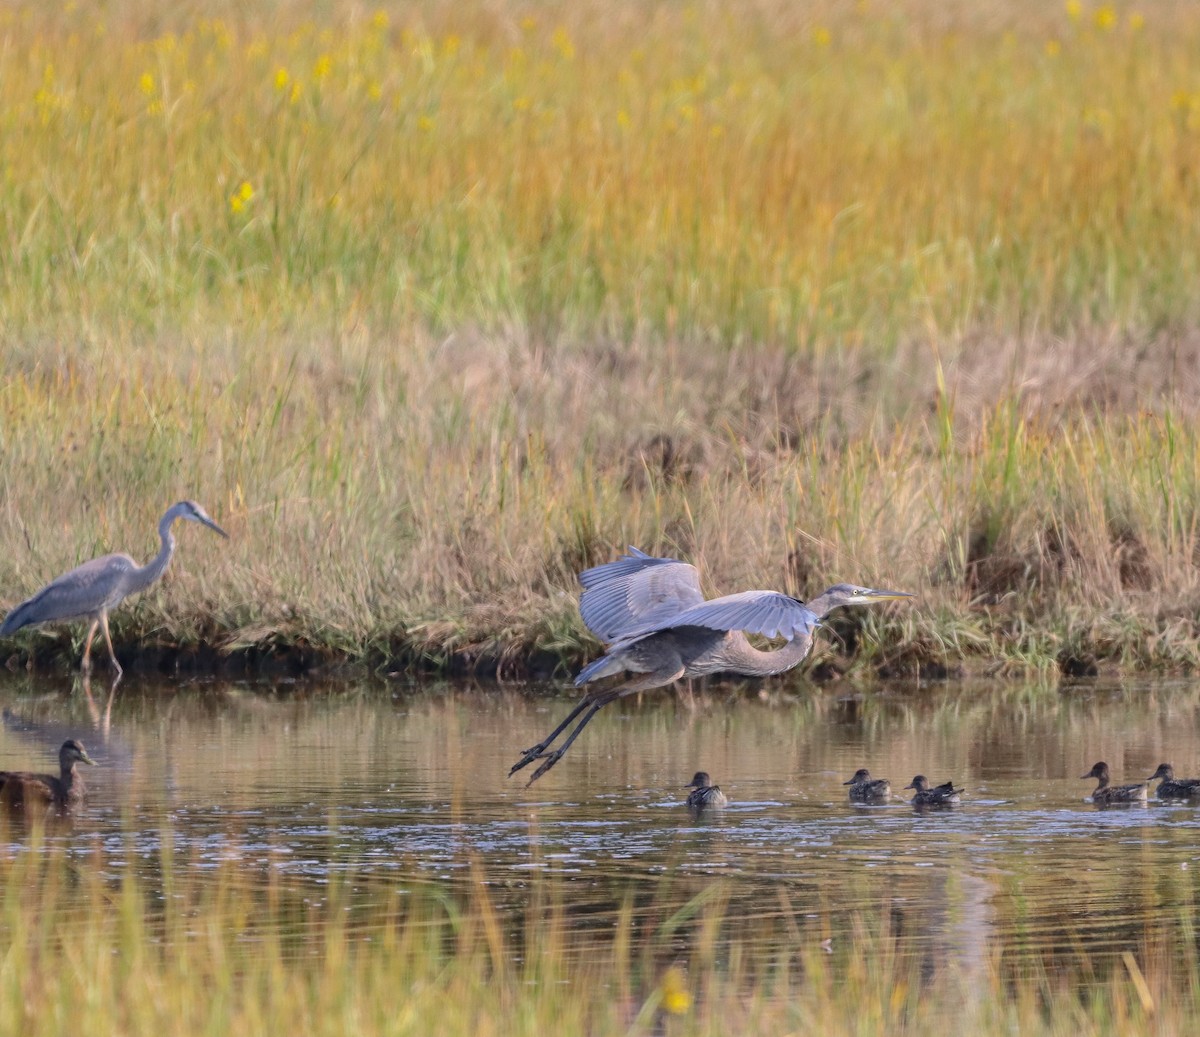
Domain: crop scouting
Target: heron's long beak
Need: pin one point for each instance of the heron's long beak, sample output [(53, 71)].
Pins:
[(214, 527), (874, 595)]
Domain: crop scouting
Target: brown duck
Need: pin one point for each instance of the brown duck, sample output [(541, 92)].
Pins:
[(23, 788), (1105, 793)]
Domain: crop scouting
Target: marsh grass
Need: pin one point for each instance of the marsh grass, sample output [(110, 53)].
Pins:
[(434, 307), (223, 952)]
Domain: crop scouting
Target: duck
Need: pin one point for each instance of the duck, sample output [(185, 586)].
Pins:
[(1172, 787), (704, 793), (865, 789), (19, 789), (943, 795), (1105, 793)]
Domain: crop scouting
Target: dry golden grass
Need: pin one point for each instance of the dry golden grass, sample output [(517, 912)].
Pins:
[(216, 953), (432, 306)]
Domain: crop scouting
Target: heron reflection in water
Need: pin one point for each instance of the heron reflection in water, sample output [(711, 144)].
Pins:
[(658, 625), (91, 590)]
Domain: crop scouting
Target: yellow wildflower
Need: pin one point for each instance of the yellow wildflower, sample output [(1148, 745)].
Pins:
[(528, 23), (675, 998), (451, 44), (379, 20), (424, 123), (322, 67), (562, 43), (1074, 10), (1105, 17), (281, 79), (240, 197), (821, 36), (1137, 21), (522, 103), (623, 119), (1052, 48), (146, 84)]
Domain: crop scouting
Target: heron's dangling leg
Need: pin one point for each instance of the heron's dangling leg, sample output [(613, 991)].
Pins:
[(537, 751), (550, 759), (86, 665), (593, 704), (108, 641)]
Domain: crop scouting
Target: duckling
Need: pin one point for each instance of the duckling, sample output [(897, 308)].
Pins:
[(1172, 787), (943, 795), (705, 793), (1106, 793), (22, 788), (865, 789)]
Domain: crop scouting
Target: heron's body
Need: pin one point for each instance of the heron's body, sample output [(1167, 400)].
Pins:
[(1171, 787), (20, 789), (865, 789), (705, 795), (927, 795), (1105, 793), (660, 628), (92, 589)]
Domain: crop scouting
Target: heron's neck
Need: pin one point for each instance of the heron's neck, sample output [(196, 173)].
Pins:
[(152, 570), (755, 661)]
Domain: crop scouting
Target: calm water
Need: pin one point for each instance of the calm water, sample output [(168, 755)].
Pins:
[(406, 784)]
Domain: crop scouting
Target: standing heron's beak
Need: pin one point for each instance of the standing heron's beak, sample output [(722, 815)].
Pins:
[(214, 527)]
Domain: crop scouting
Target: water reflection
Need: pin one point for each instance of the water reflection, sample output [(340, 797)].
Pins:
[(400, 787)]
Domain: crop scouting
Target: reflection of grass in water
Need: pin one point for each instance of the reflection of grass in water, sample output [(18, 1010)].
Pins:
[(221, 954)]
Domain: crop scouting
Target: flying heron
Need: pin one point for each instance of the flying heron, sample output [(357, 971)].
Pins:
[(95, 587), (657, 623)]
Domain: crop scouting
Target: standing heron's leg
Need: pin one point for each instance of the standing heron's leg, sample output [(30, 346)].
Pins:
[(86, 665), (108, 641), (655, 679)]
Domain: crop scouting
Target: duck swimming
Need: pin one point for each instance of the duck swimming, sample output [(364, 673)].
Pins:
[(704, 793), (23, 788), (943, 795), (1105, 793), (865, 789), (1172, 787)]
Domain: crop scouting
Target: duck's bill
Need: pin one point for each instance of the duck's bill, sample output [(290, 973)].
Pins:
[(87, 759)]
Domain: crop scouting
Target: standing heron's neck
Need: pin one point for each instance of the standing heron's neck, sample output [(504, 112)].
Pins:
[(153, 569)]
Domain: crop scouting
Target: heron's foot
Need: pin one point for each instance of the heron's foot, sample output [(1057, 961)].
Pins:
[(529, 755), (549, 760)]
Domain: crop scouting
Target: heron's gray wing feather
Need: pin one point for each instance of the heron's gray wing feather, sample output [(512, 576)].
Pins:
[(636, 591), (768, 613), (86, 589)]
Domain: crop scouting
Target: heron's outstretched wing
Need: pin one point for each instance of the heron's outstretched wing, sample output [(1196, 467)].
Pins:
[(80, 592), (768, 613), (635, 592)]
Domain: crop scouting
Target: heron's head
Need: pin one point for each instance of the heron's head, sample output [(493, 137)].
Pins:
[(920, 783), (700, 780), (72, 752), (852, 594), (1099, 770), (190, 510), (860, 775)]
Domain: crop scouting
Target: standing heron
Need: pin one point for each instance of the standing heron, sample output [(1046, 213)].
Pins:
[(92, 589), (657, 623)]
